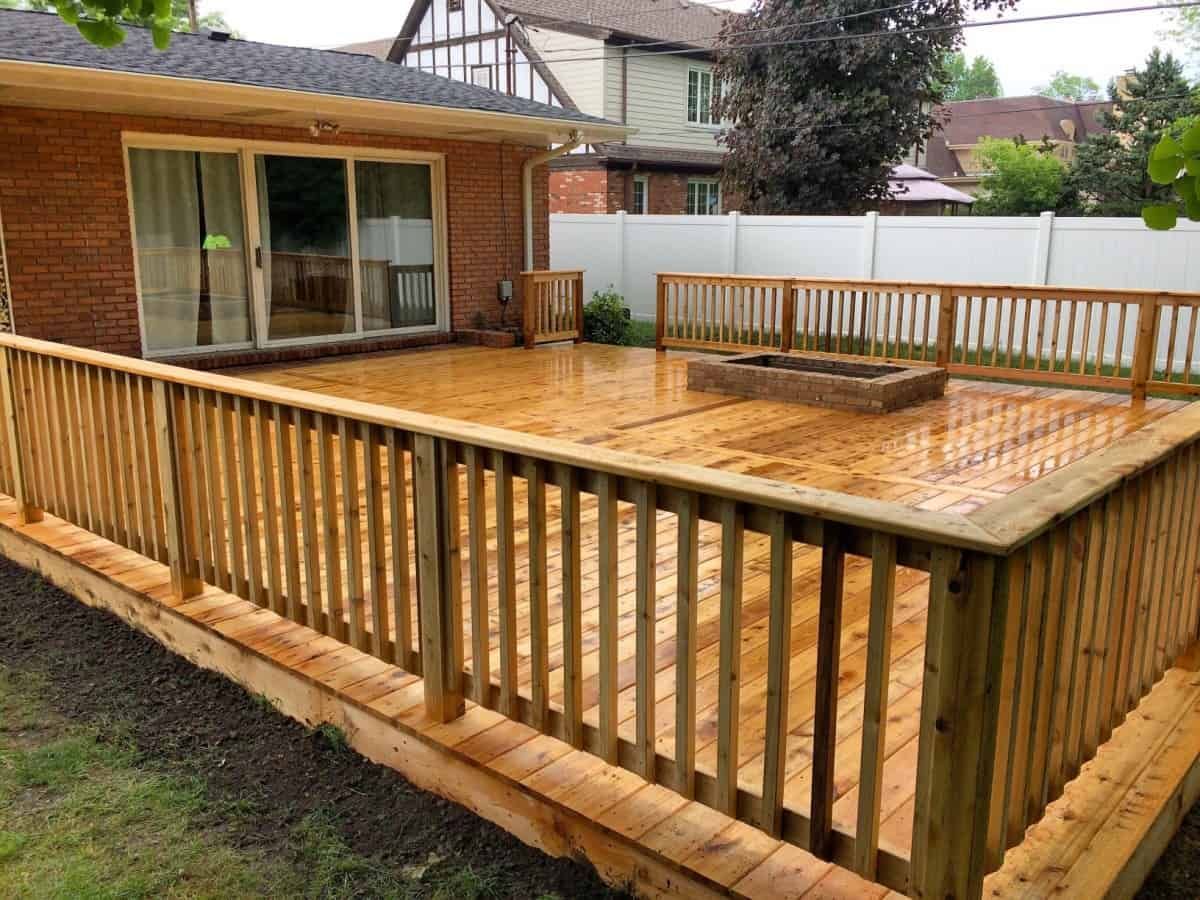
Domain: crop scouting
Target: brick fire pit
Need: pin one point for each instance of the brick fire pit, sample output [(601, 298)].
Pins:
[(818, 380)]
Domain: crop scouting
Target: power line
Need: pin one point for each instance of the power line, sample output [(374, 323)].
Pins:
[(900, 32), (807, 24)]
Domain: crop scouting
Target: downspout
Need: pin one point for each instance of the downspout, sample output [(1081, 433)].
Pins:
[(575, 139)]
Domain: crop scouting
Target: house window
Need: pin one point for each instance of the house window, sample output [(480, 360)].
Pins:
[(260, 244), (481, 76), (703, 197), (703, 90), (641, 195)]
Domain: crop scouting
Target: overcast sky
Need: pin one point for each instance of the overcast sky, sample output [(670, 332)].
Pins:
[(1025, 55)]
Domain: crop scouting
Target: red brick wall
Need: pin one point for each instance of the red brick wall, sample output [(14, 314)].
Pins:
[(579, 191), (67, 229)]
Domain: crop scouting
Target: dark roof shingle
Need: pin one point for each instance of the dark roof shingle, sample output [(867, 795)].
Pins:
[(44, 38)]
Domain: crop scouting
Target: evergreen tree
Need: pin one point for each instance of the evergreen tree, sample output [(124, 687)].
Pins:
[(1109, 173)]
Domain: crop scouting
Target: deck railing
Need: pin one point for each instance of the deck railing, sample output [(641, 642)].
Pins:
[(349, 518), (553, 306), (1135, 341)]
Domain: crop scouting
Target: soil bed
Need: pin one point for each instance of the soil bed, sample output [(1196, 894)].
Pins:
[(189, 721)]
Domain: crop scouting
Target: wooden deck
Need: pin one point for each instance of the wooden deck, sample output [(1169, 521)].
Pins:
[(980, 443), (983, 441)]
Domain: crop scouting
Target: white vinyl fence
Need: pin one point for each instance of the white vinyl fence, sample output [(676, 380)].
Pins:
[(626, 251)]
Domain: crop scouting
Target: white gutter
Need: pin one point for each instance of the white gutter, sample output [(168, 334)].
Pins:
[(527, 168)]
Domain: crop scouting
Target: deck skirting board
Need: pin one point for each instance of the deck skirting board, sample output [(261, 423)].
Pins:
[(536, 819)]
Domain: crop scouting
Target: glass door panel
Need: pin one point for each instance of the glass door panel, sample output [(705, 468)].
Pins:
[(395, 240), (305, 234), (191, 249)]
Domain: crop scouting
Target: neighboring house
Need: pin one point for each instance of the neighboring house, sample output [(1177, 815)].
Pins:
[(228, 201), (586, 57), (951, 153), (919, 193)]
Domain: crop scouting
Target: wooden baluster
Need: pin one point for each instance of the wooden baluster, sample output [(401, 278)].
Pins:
[(1171, 339), (506, 565), (382, 644), (660, 313), (481, 674), (201, 536), (334, 623), (539, 616), (578, 297), (730, 656), (875, 702), (439, 570), (686, 616), (609, 612), (216, 543), (266, 476), (174, 472), (959, 714), (287, 509), (244, 416), (1190, 346), (572, 607), (353, 534), (87, 461), (829, 639), (646, 599), (17, 449), (231, 503), (402, 605), (303, 423), (779, 660)]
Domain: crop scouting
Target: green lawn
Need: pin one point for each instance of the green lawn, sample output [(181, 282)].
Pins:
[(82, 817)]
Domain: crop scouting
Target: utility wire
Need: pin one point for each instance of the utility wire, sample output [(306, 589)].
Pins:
[(853, 36)]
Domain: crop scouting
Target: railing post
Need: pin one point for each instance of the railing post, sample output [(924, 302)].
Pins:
[(579, 308), (439, 576), (1143, 350), (788, 317), (959, 718), (172, 471), (660, 313), (529, 308), (945, 335), (27, 512)]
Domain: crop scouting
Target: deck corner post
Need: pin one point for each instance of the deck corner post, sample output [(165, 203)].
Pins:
[(439, 575), (172, 473), (791, 293), (27, 512), (579, 308), (959, 721), (945, 326), (1142, 369), (529, 310), (660, 313)]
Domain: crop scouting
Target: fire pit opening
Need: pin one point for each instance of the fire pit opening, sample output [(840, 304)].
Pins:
[(818, 380)]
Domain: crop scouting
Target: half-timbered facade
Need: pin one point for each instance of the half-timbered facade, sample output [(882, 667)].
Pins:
[(649, 67)]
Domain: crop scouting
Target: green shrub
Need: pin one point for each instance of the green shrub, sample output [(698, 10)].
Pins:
[(606, 319)]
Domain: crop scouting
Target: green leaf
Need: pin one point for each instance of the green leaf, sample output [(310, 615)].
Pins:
[(1165, 170), (1160, 217), (1166, 148), (1185, 187), (162, 35), (1191, 140), (104, 33), (1192, 166), (1193, 208)]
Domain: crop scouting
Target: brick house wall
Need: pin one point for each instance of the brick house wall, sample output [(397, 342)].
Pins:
[(610, 190), (67, 228)]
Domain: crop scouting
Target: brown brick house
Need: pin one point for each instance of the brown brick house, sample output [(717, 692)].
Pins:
[(225, 200)]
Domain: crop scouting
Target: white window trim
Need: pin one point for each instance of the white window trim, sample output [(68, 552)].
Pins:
[(246, 151), (712, 183), (644, 181), (699, 126)]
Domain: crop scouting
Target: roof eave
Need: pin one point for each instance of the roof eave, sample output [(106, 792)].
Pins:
[(36, 75)]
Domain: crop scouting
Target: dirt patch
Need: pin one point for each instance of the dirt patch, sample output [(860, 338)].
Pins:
[(182, 719)]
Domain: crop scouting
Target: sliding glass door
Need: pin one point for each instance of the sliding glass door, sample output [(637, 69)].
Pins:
[(191, 249), (304, 232), (258, 246)]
